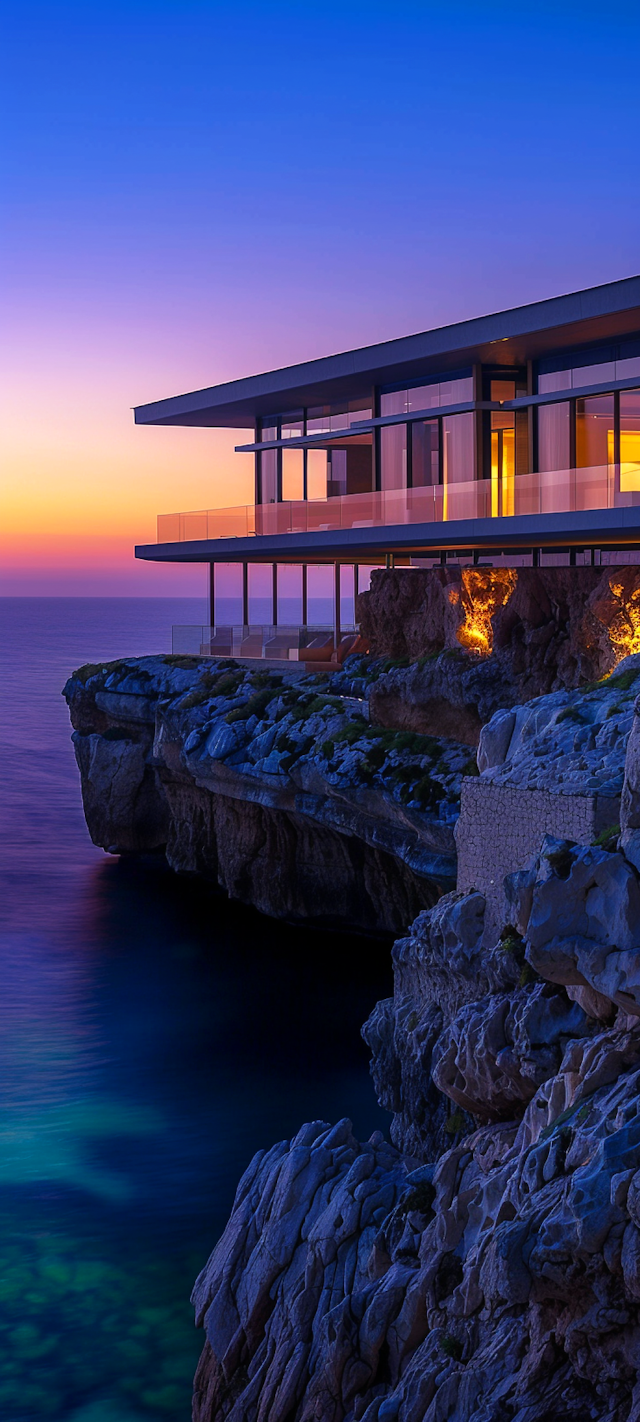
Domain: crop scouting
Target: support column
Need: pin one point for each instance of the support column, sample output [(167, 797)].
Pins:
[(245, 594), (274, 596), (212, 594), (390, 560), (336, 606)]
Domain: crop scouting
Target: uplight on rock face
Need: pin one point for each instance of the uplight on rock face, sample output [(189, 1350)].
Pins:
[(482, 592), (624, 627)]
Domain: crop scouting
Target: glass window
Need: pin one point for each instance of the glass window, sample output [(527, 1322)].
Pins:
[(289, 594), (347, 601), (320, 594), (628, 368), (594, 431), (393, 457), (394, 403), (425, 453), (455, 392), (337, 480), (268, 432), (318, 420), (316, 473), (260, 577), (269, 476), (228, 594), (423, 397), (324, 419), (292, 426), (593, 374), (292, 474), (427, 397), (554, 380), (554, 436), (359, 411), (629, 440), (458, 448)]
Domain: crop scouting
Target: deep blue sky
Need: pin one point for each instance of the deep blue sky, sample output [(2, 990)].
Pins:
[(195, 191)]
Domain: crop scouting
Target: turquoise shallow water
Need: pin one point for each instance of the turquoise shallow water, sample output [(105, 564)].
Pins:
[(152, 1037)]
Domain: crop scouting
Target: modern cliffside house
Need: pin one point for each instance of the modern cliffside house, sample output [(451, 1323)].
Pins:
[(511, 439)]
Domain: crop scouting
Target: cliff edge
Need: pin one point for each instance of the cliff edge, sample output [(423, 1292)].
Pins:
[(269, 784)]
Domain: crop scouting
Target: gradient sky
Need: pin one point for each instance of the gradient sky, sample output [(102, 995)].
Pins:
[(198, 191)]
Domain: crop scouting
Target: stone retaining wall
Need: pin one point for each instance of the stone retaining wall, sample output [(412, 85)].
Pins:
[(502, 826)]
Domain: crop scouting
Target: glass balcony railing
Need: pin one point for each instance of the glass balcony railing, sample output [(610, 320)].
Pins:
[(265, 641), (557, 491)]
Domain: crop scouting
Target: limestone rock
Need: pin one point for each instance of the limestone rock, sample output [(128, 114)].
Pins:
[(583, 927), (124, 806), (264, 783), (502, 1281), (496, 1052), (630, 804)]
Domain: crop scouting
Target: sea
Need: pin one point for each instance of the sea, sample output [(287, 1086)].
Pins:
[(153, 1037)]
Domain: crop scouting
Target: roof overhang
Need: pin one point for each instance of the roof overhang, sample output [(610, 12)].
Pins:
[(511, 337)]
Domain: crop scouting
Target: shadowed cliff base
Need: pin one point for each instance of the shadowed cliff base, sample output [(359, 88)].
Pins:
[(486, 1265)]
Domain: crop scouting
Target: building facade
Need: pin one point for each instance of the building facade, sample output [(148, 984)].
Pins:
[(509, 439)]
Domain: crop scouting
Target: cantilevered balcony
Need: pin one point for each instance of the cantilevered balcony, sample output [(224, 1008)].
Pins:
[(558, 491)]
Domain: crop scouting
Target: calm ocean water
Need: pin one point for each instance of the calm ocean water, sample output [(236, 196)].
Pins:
[(152, 1037)]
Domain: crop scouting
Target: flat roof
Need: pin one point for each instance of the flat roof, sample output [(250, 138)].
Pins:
[(599, 313)]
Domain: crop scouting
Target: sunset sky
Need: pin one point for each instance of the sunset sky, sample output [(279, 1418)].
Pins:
[(198, 191)]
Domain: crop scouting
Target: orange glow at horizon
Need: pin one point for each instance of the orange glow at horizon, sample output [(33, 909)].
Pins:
[(81, 484)]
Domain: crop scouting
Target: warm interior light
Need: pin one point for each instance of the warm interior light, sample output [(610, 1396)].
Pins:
[(483, 591), (624, 626)]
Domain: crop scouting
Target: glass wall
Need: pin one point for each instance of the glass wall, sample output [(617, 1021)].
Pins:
[(503, 462), (292, 426), (554, 436), (228, 594), (292, 473), (268, 476), (393, 457), (425, 397), (325, 419), (629, 440), (347, 605), (595, 431), (317, 472), (320, 589), (260, 584), (458, 448), (289, 594), (425, 453), (628, 367)]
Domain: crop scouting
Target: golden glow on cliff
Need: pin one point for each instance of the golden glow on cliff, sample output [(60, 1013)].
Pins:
[(624, 627), (483, 591)]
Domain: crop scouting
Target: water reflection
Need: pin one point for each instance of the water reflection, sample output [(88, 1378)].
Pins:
[(152, 1037)]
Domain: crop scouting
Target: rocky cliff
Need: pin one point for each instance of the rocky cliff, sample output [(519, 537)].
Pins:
[(530, 631), (270, 785), (486, 1265)]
